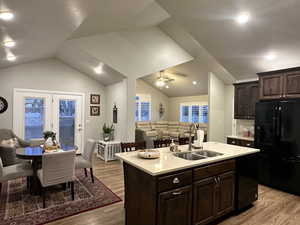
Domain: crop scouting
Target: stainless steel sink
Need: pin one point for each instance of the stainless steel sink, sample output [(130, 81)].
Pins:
[(188, 156), (197, 155), (207, 153)]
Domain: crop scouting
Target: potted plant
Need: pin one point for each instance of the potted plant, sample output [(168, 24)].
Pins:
[(50, 139), (108, 132)]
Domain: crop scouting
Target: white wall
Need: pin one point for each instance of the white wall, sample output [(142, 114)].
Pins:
[(116, 94), (157, 97), (53, 75), (229, 110), (174, 104), (216, 109)]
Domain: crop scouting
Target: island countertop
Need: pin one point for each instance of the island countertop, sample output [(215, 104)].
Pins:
[(169, 163)]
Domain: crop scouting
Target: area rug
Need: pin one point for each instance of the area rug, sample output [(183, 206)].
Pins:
[(17, 206)]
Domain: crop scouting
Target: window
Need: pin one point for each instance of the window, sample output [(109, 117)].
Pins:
[(193, 112), (143, 107)]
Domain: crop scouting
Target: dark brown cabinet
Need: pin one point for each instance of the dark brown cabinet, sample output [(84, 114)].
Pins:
[(225, 194), (204, 201), (213, 196), (279, 84), (175, 207), (195, 196), (245, 98), (240, 142)]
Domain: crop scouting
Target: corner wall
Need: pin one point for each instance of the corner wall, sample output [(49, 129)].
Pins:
[(216, 109)]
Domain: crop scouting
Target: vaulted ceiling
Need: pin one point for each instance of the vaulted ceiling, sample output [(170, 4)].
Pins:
[(203, 30), (241, 49)]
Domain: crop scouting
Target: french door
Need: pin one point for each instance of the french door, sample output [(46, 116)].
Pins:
[(38, 111)]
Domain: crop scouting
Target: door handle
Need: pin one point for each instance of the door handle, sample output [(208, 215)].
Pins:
[(177, 193), (176, 180)]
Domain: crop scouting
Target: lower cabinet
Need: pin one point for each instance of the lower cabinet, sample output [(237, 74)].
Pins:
[(204, 201), (194, 196), (174, 207), (213, 198)]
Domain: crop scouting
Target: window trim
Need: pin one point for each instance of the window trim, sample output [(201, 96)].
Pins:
[(190, 105), (142, 98)]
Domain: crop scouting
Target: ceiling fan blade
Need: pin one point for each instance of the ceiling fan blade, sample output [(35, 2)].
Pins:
[(176, 74)]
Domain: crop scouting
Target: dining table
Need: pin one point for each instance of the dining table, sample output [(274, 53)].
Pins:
[(35, 154)]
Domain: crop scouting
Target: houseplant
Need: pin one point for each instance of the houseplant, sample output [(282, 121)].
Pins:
[(108, 132)]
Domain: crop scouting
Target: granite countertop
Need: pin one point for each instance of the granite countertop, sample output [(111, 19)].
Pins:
[(241, 137), (169, 163)]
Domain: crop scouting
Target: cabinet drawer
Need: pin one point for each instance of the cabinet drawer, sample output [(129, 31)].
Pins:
[(175, 180), (213, 170), (246, 143), (232, 141)]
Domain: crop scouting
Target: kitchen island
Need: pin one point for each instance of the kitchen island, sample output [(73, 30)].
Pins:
[(177, 191)]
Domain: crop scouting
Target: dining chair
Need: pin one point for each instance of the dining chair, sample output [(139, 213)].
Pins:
[(160, 143), (133, 146), (14, 171), (84, 161), (184, 140), (57, 168)]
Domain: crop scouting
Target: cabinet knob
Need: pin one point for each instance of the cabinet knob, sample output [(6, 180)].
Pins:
[(176, 180), (248, 144), (233, 142), (177, 193)]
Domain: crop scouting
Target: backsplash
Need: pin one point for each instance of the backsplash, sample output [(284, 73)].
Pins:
[(244, 128)]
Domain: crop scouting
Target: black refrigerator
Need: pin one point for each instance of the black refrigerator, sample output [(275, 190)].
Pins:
[(277, 135)]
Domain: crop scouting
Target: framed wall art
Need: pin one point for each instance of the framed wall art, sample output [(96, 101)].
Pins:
[(95, 110), (95, 99)]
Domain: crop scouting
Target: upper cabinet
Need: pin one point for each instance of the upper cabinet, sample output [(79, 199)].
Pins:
[(245, 98), (280, 84)]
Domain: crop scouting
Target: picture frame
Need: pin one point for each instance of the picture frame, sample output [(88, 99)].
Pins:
[(95, 99), (95, 110)]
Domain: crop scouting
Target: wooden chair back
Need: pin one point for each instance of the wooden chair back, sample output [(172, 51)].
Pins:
[(160, 143), (133, 146)]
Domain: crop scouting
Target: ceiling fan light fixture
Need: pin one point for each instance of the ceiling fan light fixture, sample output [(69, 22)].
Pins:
[(6, 15), (160, 83)]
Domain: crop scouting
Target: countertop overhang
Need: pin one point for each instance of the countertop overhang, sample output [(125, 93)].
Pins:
[(169, 163)]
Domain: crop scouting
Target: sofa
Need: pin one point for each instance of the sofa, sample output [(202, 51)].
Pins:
[(149, 131)]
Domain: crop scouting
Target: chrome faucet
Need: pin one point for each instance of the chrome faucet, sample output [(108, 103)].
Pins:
[(192, 127)]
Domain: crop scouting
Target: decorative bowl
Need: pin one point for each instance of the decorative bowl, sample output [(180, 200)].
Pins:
[(149, 154)]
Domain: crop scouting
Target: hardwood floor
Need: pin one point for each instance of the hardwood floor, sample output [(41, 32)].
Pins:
[(273, 207)]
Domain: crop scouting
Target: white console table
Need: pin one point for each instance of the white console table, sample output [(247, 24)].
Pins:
[(106, 150)]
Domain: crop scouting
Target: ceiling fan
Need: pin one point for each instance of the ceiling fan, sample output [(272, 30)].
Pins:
[(163, 79)]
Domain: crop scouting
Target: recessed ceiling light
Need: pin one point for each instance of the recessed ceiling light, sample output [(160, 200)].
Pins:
[(99, 69), (270, 56), (243, 18), (9, 44), (11, 58), (167, 87), (6, 15), (194, 82)]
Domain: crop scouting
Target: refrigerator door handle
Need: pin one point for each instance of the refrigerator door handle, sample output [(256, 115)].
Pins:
[(278, 125), (275, 120)]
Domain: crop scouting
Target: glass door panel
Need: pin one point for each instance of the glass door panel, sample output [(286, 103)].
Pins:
[(67, 124), (34, 118)]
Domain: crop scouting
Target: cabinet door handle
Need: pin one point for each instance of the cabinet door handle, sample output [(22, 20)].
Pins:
[(177, 193), (176, 180)]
